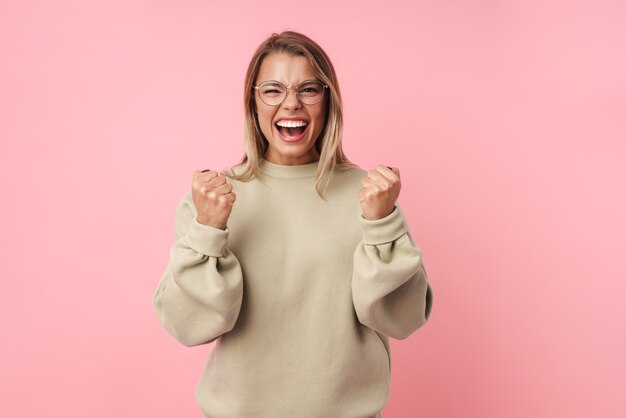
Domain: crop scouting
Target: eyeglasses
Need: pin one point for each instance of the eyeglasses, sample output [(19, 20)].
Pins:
[(273, 92)]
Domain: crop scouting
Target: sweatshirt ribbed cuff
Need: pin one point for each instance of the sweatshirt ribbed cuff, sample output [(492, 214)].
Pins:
[(206, 239), (383, 230)]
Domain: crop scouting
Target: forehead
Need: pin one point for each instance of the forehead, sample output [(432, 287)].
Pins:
[(288, 69)]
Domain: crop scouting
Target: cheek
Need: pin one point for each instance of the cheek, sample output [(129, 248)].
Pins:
[(319, 119), (265, 122), (261, 116)]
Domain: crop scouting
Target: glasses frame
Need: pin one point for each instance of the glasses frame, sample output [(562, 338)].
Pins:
[(295, 89)]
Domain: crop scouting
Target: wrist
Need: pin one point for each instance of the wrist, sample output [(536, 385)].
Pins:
[(207, 222)]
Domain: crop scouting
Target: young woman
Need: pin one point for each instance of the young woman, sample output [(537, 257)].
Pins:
[(298, 263)]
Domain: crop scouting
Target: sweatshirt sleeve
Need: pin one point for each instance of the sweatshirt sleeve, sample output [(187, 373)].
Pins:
[(200, 293), (390, 288)]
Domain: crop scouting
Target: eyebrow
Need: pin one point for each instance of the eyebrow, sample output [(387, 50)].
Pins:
[(275, 82)]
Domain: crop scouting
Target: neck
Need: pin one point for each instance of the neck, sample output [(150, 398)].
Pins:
[(288, 171)]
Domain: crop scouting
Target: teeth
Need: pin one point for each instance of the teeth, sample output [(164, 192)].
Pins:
[(291, 123)]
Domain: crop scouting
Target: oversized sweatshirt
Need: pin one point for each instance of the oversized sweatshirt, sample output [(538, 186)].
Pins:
[(299, 294)]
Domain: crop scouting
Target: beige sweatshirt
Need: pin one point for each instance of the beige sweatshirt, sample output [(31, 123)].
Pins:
[(299, 294)]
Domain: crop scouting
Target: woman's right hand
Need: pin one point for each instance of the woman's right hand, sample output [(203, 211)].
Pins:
[(213, 197)]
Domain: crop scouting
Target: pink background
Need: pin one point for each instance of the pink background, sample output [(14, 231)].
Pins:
[(506, 119)]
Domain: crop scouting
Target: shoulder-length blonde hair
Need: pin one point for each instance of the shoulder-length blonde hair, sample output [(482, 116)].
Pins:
[(328, 144)]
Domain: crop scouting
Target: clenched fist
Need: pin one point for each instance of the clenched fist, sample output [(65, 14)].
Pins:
[(381, 188), (213, 197)]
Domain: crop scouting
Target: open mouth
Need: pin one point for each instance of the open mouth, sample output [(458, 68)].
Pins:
[(291, 130)]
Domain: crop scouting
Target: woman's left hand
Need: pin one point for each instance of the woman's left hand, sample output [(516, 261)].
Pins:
[(381, 188)]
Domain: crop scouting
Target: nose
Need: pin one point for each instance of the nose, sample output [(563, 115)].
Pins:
[(292, 101)]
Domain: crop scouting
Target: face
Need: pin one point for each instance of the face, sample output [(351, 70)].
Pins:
[(300, 148)]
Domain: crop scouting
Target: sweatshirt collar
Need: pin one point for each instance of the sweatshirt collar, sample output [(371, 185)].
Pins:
[(288, 171)]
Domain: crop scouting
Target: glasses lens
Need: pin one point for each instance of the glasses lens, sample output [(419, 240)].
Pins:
[(310, 92), (272, 93)]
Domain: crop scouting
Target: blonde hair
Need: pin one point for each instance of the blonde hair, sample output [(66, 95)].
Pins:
[(328, 144)]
